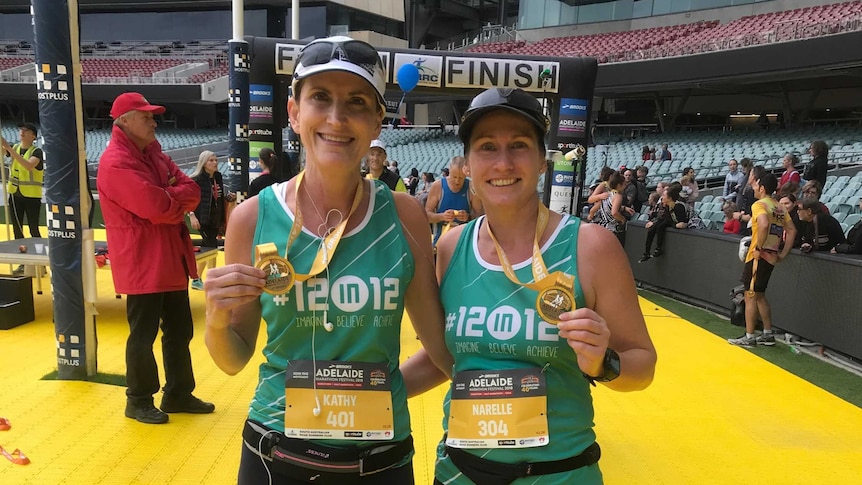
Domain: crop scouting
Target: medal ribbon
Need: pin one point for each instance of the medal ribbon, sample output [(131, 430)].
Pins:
[(542, 280), (330, 241)]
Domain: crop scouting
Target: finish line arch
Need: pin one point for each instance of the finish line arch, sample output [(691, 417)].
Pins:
[(568, 95)]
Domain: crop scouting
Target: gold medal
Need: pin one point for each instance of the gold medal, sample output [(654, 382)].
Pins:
[(280, 275), (556, 290), (553, 302)]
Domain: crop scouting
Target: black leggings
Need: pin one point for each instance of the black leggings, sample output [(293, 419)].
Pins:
[(657, 231), (253, 471)]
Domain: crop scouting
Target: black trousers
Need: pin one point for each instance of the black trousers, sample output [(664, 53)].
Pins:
[(253, 471), (146, 313), (657, 231), (23, 208), (209, 235)]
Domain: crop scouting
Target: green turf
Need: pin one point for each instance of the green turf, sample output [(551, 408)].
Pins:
[(835, 380), (100, 378)]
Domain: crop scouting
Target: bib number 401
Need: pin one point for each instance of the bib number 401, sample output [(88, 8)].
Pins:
[(493, 428), (341, 419)]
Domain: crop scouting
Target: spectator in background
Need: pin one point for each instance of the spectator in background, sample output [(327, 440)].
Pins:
[(25, 182), (646, 153), (823, 232), (655, 200), (144, 196), (267, 160), (393, 167), (676, 215), (630, 188), (746, 197), (376, 160), (641, 183), (790, 179), (763, 254), (664, 154), (612, 213), (733, 181), (422, 193), (450, 200), (812, 190), (731, 223), (853, 245), (413, 181), (209, 216), (444, 172), (790, 205), (599, 191), (690, 191), (817, 167)]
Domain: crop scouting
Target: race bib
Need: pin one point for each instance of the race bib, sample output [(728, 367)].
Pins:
[(498, 409), (355, 401)]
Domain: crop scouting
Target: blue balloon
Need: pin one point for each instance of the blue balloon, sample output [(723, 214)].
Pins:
[(408, 77)]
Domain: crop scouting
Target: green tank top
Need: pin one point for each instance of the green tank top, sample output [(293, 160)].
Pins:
[(492, 324), (368, 276)]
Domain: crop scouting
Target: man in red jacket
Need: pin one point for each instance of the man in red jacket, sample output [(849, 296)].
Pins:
[(144, 198)]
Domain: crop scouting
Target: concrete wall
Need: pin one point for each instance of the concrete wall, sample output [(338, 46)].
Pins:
[(812, 295)]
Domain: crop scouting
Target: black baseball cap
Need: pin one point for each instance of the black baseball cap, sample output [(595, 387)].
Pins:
[(514, 100), (29, 126)]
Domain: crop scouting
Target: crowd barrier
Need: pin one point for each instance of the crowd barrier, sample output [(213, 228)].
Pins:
[(812, 295)]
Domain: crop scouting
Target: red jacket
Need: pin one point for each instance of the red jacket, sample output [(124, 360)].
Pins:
[(144, 198)]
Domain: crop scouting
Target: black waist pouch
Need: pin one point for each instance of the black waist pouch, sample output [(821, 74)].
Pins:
[(489, 472), (320, 464)]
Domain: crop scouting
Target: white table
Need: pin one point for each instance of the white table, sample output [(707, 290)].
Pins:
[(10, 254)]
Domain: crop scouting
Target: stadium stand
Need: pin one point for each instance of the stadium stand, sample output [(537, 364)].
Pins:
[(697, 37), (132, 62)]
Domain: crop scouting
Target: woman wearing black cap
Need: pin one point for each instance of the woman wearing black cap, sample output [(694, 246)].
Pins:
[(330, 261), (544, 306)]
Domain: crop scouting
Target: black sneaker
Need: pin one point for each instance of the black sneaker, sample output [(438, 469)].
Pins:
[(19, 270), (186, 404), (658, 252), (146, 413), (644, 258)]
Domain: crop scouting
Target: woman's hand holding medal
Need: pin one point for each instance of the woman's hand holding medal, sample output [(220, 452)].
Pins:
[(229, 287), (587, 333)]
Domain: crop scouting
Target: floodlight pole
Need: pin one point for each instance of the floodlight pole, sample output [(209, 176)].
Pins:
[(294, 19)]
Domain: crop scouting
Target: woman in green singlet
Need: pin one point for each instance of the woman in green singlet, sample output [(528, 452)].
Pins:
[(329, 261), (538, 307)]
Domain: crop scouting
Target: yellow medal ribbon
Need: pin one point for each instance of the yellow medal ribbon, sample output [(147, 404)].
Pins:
[(330, 241), (556, 294), (280, 273)]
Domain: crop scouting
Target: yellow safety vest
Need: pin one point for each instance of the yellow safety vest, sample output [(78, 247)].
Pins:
[(29, 182)]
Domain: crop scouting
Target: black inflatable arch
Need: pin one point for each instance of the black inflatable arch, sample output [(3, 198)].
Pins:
[(565, 83)]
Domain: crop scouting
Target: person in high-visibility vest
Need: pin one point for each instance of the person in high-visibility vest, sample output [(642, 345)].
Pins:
[(25, 180)]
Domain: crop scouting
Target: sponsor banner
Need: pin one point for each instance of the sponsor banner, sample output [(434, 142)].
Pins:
[(238, 116), (260, 105), (254, 148), (430, 68), (561, 199), (285, 60), (475, 72), (573, 117), (452, 71), (61, 133)]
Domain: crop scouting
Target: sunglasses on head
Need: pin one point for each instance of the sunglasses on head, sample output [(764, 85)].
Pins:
[(352, 51), (514, 98)]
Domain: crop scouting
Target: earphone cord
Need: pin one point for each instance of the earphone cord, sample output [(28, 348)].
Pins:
[(260, 454), (320, 228)]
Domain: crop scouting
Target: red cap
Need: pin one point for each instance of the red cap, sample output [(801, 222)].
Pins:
[(133, 101)]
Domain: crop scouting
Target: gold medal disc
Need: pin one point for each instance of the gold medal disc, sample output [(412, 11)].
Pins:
[(279, 274), (553, 302)]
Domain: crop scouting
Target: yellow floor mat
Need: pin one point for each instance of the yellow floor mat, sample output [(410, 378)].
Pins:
[(715, 414)]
